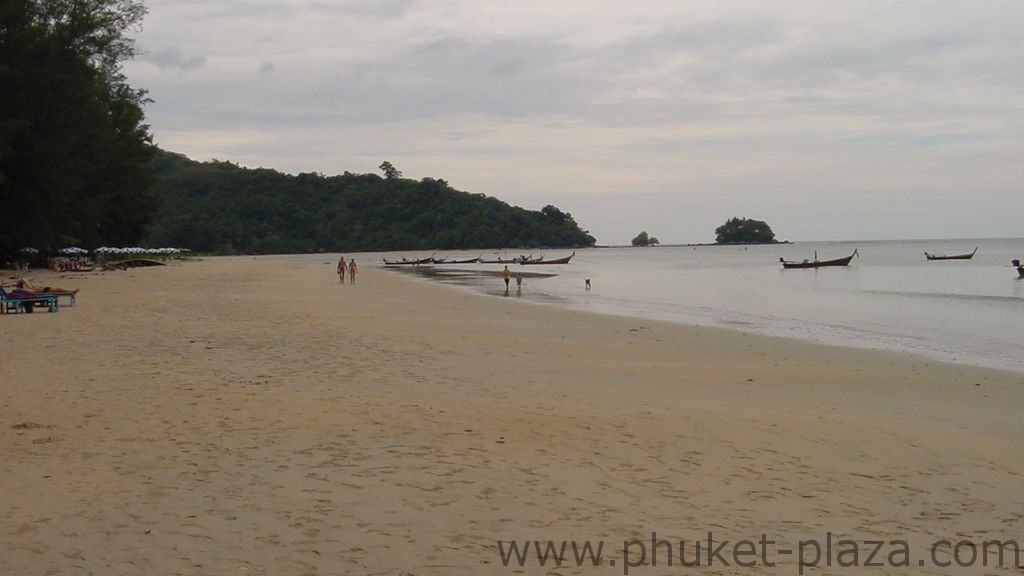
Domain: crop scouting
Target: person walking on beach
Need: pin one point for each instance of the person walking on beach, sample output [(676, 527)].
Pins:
[(341, 269), (352, 271), (506, 275)]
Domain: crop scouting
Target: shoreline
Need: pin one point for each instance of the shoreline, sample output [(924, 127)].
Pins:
[(249, 414), (481, 281)]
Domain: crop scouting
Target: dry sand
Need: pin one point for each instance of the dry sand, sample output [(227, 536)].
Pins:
[(251, 416)]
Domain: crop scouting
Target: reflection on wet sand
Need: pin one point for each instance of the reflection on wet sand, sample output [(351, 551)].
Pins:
[(483, 280)]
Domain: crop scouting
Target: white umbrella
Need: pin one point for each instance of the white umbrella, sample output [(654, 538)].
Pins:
[(72, 250)]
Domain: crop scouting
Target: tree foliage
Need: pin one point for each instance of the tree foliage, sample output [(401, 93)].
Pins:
[(744, 231), (389, 170), (224, 208), (74, 150), (643, 239)]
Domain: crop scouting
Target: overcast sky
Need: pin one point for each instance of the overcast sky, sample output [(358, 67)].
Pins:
[(829, 120)]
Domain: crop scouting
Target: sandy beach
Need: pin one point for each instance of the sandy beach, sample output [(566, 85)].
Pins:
[(249, 415)]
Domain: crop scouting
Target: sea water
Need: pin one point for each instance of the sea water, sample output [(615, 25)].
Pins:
[(889, 297)]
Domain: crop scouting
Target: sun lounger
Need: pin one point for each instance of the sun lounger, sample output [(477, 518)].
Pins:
[(69, 295), (19, 301), (26, 288)]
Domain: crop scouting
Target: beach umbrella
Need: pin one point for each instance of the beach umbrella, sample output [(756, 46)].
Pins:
[(28, 250), (72, 250)]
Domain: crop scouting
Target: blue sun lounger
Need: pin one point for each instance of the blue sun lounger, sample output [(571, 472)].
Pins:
[(69, 295), (19, 301)]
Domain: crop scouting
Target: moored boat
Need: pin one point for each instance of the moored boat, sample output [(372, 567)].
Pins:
[(455, 261), (407, 262), (966, 256), (541, 260), (818, 263), (516, 260)]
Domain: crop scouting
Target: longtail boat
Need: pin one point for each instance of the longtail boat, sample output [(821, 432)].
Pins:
[(818, 263), (564, 260), (407, 262), (966, 256), (453, 261), (516, 260), (133, 263)]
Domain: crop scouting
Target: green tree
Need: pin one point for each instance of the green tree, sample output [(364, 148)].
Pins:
[(744, 231), (389, 170), (74, 150), (643, 239), (221, 207)]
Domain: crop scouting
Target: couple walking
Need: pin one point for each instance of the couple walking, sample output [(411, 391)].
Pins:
[(350, 267)]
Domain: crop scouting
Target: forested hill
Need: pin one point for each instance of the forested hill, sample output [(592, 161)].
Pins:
[(223, 208)]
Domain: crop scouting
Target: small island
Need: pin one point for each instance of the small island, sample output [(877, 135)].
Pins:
[(744, 231), (644, 239)]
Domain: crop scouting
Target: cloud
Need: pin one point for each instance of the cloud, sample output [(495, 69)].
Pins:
[(653, 111), (172, 60)]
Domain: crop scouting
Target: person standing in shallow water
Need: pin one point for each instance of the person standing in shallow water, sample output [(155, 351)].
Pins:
[(352, 271), (506, 274), (341, 269)]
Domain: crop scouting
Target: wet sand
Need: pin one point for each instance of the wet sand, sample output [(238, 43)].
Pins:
[(252, 416)]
